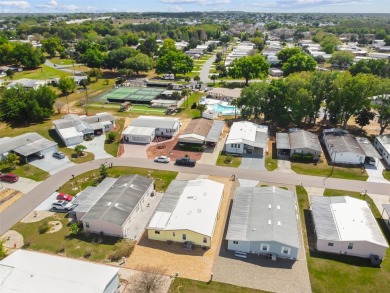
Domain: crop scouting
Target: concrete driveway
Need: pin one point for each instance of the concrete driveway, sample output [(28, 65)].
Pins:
[(375, 172), (96, 146), (284, 165), (253, 161), (210, 154), (135, 150), (46, 204), (52, 165), (23, 185)]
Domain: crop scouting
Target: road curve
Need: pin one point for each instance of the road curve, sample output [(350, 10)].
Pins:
[(32, 199)]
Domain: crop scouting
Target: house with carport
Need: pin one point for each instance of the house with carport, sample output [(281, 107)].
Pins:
[(187, 213), (201, 131), (119, 206), (298, 141), (29, 271), (27, 146), (382, 145), (346, 225), (247, 137), (74, 129), (145, 128), (264, 221)]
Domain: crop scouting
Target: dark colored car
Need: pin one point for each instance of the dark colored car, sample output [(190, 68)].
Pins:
[(64, 196), (9, 177), (185, 162)]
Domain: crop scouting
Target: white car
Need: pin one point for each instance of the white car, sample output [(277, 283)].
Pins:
[(62, 205), (162, 159)]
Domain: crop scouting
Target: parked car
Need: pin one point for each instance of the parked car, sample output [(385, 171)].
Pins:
[(62, 205), (64, 196), (59, 155), (9, 177), (40, 156), (185, 162), (162, 159)]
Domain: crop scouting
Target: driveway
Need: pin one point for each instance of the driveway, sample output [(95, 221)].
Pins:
[(135, 150), (252, 161), (284, 165), (46, 204), (210, 154), (52, 165), (96, 146), (23, 185), (375, 172)]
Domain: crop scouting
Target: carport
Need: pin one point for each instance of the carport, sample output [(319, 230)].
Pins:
[(40, 147), (283, 144)]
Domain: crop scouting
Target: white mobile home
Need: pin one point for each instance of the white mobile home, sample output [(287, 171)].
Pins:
[(264, 221), (299, 142), (382, 145), (346, 225)]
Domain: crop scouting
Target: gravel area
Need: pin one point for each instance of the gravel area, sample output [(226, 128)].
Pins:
[(12, 240), (196, 264), (36, 216)]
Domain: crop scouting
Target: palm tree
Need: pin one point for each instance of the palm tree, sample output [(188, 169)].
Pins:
[(235, 103), (79, 149), (201, 108), (184, 94)]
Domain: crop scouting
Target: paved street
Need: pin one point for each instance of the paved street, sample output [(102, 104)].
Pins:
[(22, 207)]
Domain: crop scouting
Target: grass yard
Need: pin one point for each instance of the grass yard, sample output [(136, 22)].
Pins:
[(142, 109), (180, 285), (27, 171), (340, 273), (386, 175), (45, 72), (59, 61), (270, 162), (162, 178), (187, 112), (111, 147), (236, 161), (62, 242), (324, 170)]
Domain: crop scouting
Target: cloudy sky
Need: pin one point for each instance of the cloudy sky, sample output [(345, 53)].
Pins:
[(333, 6)]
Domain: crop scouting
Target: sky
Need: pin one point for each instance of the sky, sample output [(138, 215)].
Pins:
[(332, 6)]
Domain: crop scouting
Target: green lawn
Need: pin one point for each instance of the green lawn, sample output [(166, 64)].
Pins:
[(235, 163), (340, 273), (386, 175), (60, 61), (65, 243), (324, 170), (112, 147), (27, 170), (45, 72), (271, 163), (180, 285), (186, 111), (162, 178)]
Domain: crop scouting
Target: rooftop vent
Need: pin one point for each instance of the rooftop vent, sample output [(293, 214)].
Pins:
[(269, 206), (198, 210), (269, 222), (190, 196), (108, 203), (253, 229), (279, 223), (278, 207)]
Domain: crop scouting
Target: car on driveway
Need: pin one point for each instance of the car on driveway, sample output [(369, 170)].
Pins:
[(62, 205), (162, 159), (59, 155), (64, 196), (9, 177)]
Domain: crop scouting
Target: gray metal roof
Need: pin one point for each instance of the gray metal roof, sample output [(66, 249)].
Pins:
[(215, 131), (304, 139), (264, 214), (342, 141), (282, 141), (168, 123), (324, 222), (171, 197), (26, 144), (117, 204), (368, 148), (386, 207), (89, 196), (82, 123), (384, 141)]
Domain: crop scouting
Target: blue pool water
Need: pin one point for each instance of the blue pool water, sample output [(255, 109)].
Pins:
[(224, 110)]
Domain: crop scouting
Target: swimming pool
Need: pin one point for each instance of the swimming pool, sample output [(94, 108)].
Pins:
[(219, 106)]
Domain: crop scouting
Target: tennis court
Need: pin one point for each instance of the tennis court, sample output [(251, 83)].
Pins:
[(132, 94)]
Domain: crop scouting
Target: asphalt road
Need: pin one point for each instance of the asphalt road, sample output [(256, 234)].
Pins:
[(27, 203)]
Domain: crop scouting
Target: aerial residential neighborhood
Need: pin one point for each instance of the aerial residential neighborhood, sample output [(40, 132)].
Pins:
[(226, 146)]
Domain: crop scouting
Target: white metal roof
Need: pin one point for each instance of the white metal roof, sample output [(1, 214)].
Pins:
[(246, 132), (190, 206), (345, 219), (26, 271), (137, 130), (67, 133)]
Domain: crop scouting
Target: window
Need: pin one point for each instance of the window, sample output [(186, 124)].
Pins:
[(235, 242), (184, 237), (174, 234), (350, 245), (156, 232), (239, 146), (330, 244), (87, 224), (286, 250), (232, 145), (264, 247), (204, 239)]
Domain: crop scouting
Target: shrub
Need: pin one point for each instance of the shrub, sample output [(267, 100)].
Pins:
[(74, 229), (303, 157), (111, 137), (43, 227), (194, 106), (228, 159), (88, 252), (121, 249)]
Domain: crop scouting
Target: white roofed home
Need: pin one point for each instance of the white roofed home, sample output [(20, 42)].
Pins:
[(346, 225), (247, 137), (27, 271), (187, 212)]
